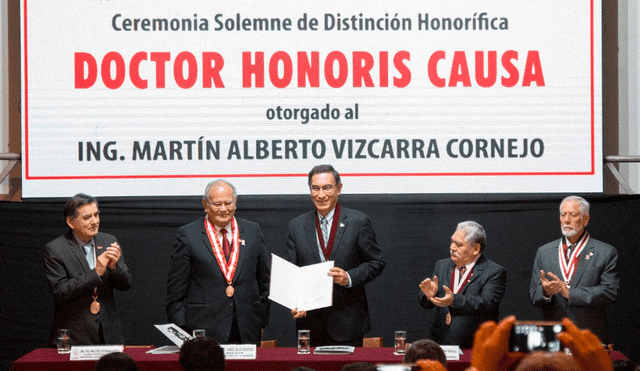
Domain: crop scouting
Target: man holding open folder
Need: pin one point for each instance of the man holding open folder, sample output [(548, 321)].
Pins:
[(332, 232)]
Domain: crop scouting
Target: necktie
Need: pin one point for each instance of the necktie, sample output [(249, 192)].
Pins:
[(567, 252), (463, 269), (88, 253), (225, 244), (324, 225)]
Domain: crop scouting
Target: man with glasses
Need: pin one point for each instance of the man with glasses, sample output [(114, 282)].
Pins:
[(220, 272), (331, 232)]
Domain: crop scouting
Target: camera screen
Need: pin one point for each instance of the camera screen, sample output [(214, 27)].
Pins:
[(532, 336)]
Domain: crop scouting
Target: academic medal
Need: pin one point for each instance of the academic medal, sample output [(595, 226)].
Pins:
[(95, 306), (230, 290)]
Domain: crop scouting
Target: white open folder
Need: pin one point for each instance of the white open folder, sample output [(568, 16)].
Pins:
[(306, 288)]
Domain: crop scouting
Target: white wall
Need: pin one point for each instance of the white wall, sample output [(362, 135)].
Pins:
[(628, 87)]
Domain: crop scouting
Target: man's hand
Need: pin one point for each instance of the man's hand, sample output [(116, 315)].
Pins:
[(585, 347), (101, 264), (429, 287), (340, 277), (298, 314), (113, 253), (444, 301), (553, 285), (491, 346)]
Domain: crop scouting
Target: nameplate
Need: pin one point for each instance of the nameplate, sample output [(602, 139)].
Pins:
[(452, 352), (92, 352), (239, 351)]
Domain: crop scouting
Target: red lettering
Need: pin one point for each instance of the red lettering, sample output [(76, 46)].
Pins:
[(405, 72), (343, 69), (362, 65), (113, 69), (192, 70), (134, 70), (533, 70), (309, 69), (249, 69), (287, 74), (459, 70), (160, 58), (492, 75), (210, 72), (105, 69), (514, 75), (384, 69), (82, 59), (433, 69)]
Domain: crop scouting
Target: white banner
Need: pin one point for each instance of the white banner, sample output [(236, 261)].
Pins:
[(159, 97)]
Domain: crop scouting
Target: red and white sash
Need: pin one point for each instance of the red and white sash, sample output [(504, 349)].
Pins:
[(568, 268), (228, 268)]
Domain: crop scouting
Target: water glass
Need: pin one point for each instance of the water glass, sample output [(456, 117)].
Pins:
[(304, 341), (400, 343), (64, 341)]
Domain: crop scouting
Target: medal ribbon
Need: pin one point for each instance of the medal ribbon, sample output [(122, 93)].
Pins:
[(228, 268), (568, 268), (462, 280), (332, 233)]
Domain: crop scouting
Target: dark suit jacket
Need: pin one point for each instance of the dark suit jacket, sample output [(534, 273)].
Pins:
[(478, 302), (356, 251), (196, 297), (593, 287), (72, 284)]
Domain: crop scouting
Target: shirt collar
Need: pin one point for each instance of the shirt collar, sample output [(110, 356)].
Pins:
[(329, 216)]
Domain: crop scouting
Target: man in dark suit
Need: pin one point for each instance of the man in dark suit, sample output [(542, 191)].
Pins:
[(83, 267), (220, 272), (471, 291), (575, 276), (331, 232)]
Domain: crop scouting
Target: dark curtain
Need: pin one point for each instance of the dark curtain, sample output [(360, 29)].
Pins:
[(413, 230)]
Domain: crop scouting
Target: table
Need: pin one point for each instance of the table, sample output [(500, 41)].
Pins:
[(268, 359)]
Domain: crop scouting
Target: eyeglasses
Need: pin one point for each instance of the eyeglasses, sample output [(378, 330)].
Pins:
[(218, 205), (326, 188)]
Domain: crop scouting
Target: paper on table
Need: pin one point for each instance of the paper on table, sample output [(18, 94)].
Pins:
[(305, 288), (174, 333)]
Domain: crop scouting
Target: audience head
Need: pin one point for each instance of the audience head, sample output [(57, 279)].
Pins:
[(425, 349), (624, 365), (548, 361), (359, 366), (116, 361), (201, 354)]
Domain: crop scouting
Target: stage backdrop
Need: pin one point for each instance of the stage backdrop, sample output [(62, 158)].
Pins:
[(152, 97), (413, 231)]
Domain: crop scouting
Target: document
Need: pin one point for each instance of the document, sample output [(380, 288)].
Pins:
[(306, 288)]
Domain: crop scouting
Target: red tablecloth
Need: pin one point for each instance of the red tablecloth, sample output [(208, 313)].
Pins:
[(268, 359)]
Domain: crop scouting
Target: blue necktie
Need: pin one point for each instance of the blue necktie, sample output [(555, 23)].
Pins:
[(88, 252), (324, 225)]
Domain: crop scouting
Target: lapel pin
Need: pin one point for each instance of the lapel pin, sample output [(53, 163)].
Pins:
[(242, 242), (341, 225), (589, 255), (99, 247)]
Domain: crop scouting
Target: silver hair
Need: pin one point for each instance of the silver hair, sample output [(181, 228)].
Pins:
[(473, 233), (217, 182), (582, 203)]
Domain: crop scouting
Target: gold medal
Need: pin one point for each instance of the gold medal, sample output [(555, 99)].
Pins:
[(230, 290), (448, 320), (95, 307)]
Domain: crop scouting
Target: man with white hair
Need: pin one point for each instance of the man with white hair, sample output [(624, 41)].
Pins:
[(575, 276), (466, 289)]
